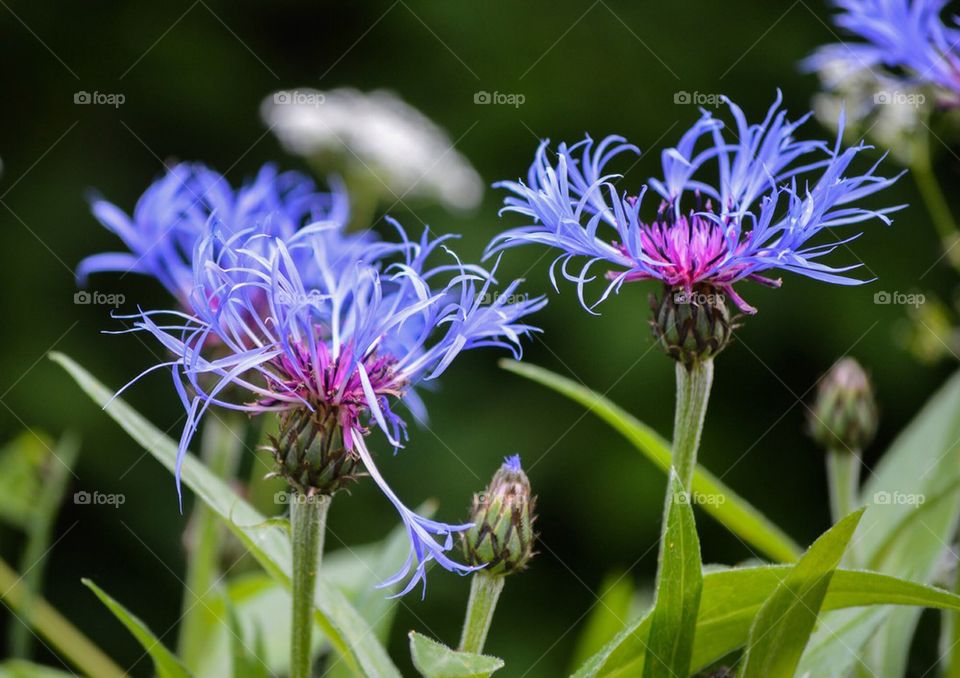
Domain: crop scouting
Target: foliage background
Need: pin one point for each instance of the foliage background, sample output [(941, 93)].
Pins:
[(193, 76)]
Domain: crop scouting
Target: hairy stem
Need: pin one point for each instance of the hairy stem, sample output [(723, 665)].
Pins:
[(484, 592), (693, 393), (308, 519), (843, 473)]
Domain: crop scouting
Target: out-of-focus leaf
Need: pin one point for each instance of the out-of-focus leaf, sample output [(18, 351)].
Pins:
[(436, 660), (164, 661), (260, 602), (915, 492), (836, 645), (18, 668), (733, 512), (248, 661), (269, 543), (673, 621), (22, 468), (53, 477), (608, 617), (221, 449), (730, 601), (57, 632), (782, 627)]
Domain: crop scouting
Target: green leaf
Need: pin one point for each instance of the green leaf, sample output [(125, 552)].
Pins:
[(679, 582), (343, 626), (22, 467), (835, 646), (18, 668), (782, 627), (261, 602), (607, 618), (902, 536), (733, 512), (164, 661), (53, 477), (730, 601), (436, 660), (221, 449), (248, 661)]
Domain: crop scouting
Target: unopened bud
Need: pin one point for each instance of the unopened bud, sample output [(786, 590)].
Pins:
[(691, 325), (502, 535), (844, 414), (310, 454)]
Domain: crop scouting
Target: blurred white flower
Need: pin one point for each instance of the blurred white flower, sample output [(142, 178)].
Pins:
[(889, 111), (376, 133)]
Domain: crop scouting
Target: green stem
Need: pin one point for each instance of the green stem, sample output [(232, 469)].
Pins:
[(843, 473), (693, 393), (936, 202), (55, 629), (843, 477), (484, 591), (308, 519)]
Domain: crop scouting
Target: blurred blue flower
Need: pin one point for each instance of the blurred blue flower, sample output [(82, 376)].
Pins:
[(774, 194), (904, 41), (175, 211), (322, 322)]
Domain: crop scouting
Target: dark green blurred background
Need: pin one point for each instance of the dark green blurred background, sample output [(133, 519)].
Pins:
[(193, 75)]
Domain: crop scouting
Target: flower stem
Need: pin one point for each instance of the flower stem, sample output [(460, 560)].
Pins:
[(937, 206), (693, 393), (843, 473), (484, 591), (308, 519), (60, 633)]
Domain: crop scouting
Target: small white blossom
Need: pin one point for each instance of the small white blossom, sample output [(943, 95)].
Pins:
[(376, 133)]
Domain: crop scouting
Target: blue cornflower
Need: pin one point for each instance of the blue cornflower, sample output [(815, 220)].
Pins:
[(172, 215), (904, 40), (280, 325), (757, 217)]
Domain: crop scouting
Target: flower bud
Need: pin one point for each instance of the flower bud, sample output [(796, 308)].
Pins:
[(310, 454), (691, 325), (502, 535), (844, 414)]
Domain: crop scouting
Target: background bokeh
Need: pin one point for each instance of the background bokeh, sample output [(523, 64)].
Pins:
[(193, 75)]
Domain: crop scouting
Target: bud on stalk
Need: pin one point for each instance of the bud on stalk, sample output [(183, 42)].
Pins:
[(500, 541), (502, 535), (844, 414)]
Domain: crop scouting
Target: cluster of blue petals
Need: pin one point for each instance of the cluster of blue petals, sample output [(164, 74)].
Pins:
[(731, 204), (279, 307)]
